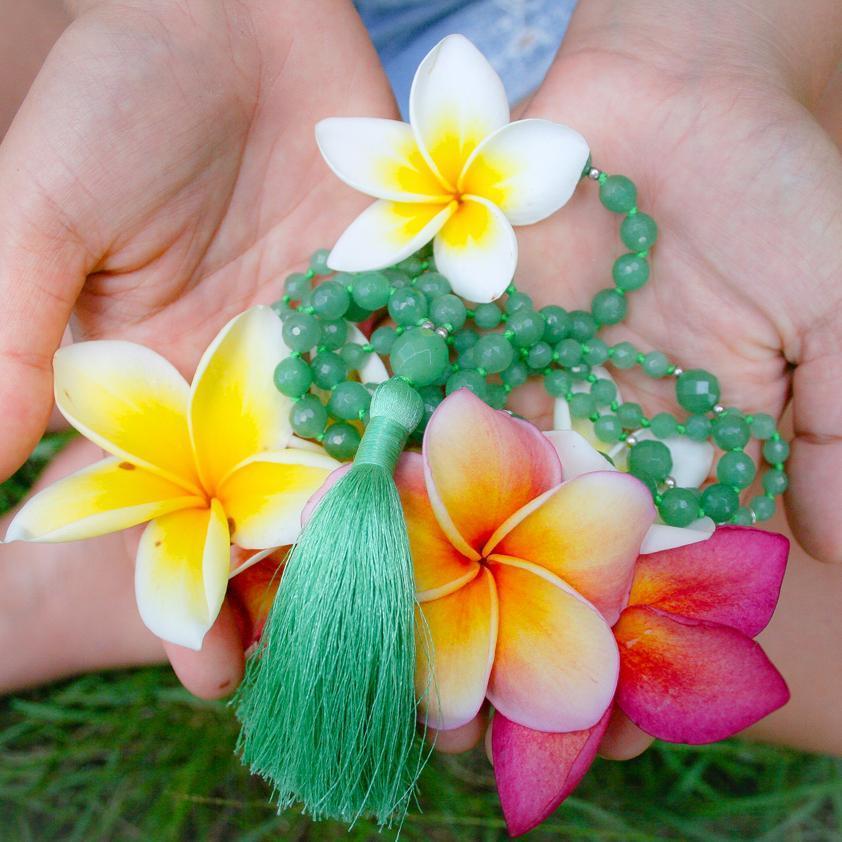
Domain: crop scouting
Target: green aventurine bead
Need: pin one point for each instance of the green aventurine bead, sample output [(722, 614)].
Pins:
[(432, 284), (679, 506), (742, 517), (493, 353), (527, 326), (624, 355), (448, 310), (595, 352), (557, 383), (664, 425), (487, 316), (655, 364), (582, 325), (383, 339), (568, 352), (341, 441), (556, 323), (432, 397), (516, 375), (720, 502), (775, 451), (697, 427), (408, 306), (354, 355), (762, 426), (650, 460), (618, 194), (464, 339), (318, 262), (603, 391), (297, 285), (420, 355), (517, 301), (334, 333), (540, 355), (763, 507), (697, 390), (469, 379), (630, 272), (301, 332), (308, 417), (412, 266), (630, 415), (356, 313), (582, 405), (496, 395), (370, 290), (730, 431), (292, 377), (775, 481), (331, 300), (639, 232), (348, 401), (608, 428), (580, 371), (329, 369), (397, 279), (737, 469)]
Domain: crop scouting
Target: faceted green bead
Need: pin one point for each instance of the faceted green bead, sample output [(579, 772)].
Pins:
[(624, 355), (720, 502), (655, 364), (763, 507), (383, 339), (282, 309), (354, 356), (464, 339), (580, 371), (556, 323), (517, 301), (301, 332), (370, 290), (292, 377), (775, 451), (334, 333), (762, 426), (582, 325), (595, 352), (448, 310), (639, 232), (775, 481), (297, 285), (356, 313), (569, 352), (582, 405), (432, 284), (608, 428), (697, 390), (540, 355), (730, 431), (664, 425), (516, 374), (609, 307), (742, 517), (420, 355), (348, 401), (679, 506), (603, 391), (341, 441), (412, 266), (650, 459), (557, 383), (468, 358), (397, 279), (630, 272), (432, 397), (736, 468), (329, 369), (493, 352), (630, 415), (331, 300), (308, 417), (496, 395), (618, 193), (408, 306), (318, 262), (469, 379), (697, 427), (487, 316), (527, 326)]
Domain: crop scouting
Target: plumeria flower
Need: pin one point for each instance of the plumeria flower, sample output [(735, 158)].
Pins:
[(207, 464), (690, 671), (459, 173)]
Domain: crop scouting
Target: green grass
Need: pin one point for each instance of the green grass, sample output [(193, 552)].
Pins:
[(131, 755)]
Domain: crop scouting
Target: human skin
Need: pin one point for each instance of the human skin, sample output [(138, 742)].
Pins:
[(156, 217)]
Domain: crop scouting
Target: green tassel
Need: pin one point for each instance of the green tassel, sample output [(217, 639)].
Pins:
[(328, 703)]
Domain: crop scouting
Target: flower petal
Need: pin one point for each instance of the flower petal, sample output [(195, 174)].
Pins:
[(588, 532), (576, 454), (662, 537), (264, 497), (482, 465), (386, 233), (528, 169), (181, 573), (535, 770), (477, 250), (378, 157), (733, 578), (253, 592), (104, 497), (688, 681), (456, 633), (234, 411), (440, 568), (373, 370), (131, 402), (556, 664), (455, 102)]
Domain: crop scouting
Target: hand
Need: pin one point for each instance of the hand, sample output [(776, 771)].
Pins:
[(161, 176)]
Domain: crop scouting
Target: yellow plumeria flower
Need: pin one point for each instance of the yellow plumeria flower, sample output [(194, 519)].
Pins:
[(459, 172), (208, 464)]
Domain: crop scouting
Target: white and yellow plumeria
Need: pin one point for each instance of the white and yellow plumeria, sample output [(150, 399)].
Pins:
[(208, 464), (459, 172)]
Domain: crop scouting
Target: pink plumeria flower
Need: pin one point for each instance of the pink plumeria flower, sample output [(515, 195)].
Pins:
[(459, 173)]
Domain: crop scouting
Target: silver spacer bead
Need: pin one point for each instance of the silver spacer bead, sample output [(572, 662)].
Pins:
[(594, 174), (719, 409), (442, 331), (427, 325), (678, 372), (753, 516), (631, 441), (669, 482)]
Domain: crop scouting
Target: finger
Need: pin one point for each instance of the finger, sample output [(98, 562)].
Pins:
[(623, 740), (214, 671), (459, 740)]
